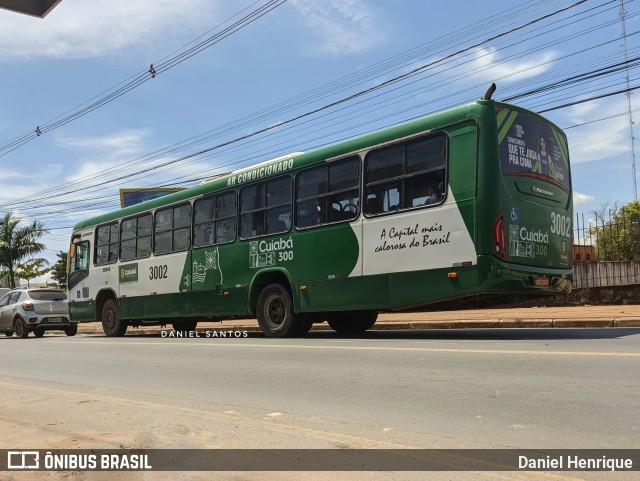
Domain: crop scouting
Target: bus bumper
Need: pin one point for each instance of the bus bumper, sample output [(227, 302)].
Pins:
[(504, 277)]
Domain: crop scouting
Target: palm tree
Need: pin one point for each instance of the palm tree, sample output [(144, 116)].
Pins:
[(18, 242)]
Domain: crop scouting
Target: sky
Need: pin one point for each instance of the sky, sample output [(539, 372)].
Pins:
[(299, 57)]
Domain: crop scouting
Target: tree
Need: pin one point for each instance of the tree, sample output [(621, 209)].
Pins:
[(31, 269), (59, 270), (18, 242), (4, 278), (617, 232)]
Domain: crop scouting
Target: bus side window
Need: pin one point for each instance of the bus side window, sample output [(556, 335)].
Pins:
[(408, 175), (265, 208), (135, 236), (172, 230), (328, 193), (107, 241)]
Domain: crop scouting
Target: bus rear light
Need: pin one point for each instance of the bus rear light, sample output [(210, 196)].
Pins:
[(499, 241), (452, 275)]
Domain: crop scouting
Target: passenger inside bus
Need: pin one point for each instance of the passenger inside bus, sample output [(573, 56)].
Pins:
[(432, 196)]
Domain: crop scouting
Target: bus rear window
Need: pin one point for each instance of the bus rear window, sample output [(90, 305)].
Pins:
[(531, 147)]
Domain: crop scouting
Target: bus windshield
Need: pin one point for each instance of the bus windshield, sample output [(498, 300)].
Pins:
[(531, 147)]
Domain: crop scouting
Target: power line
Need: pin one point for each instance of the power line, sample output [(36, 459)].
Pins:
[(140, 78), (322, 138), (198, 139), (602, 96), (344, 100)]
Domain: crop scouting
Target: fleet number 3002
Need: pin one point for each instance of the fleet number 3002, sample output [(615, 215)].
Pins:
[(560, 225), (158, 272)]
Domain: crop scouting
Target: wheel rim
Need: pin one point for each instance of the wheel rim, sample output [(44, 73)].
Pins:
[(109, 320), (19, 328), (275, 311)]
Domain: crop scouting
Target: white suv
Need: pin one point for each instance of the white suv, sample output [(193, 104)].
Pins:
[(37, 310)]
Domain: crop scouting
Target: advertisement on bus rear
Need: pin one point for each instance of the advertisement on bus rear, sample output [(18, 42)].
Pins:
[(529, 146), (537, 195)]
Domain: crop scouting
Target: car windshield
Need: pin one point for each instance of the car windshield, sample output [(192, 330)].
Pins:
[(47, 295)]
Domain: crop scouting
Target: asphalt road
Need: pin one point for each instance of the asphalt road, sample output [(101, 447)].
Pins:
[(473, 388)]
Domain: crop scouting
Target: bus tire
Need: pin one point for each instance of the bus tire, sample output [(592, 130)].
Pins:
[(275, 313), (305, 324), (112, 325), (184, 326), (352, 322)]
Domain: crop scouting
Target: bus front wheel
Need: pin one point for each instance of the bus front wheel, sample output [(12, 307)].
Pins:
[(276, 316), (112, 325), (352, 322), (184, 326)]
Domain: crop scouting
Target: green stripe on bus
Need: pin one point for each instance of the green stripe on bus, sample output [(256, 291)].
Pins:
[(507, 125), (502, 115)]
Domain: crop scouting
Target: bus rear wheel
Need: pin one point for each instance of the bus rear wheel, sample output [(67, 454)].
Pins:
[(276, 316), (352, 322), (112, 325)]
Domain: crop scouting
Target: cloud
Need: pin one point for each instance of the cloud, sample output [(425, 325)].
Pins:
[(101, 153), (118, 155), (488, 65), (340, 27), (581, 200), (599, 140), (124, 142), (89, 29), (16, 183)]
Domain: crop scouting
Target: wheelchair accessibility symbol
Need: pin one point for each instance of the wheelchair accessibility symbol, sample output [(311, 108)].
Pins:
[(515, 214)]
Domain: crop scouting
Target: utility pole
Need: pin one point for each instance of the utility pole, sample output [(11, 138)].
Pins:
[(623, 12)]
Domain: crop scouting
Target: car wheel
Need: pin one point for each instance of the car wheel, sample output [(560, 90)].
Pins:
[(20, 329), (72, 330), (112, 325), (39, 332), (8, 333)]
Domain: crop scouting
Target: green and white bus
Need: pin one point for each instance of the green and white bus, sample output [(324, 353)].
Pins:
[(469, 203)]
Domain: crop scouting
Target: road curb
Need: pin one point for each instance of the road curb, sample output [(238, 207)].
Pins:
[(626, 322), (564, 323)]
